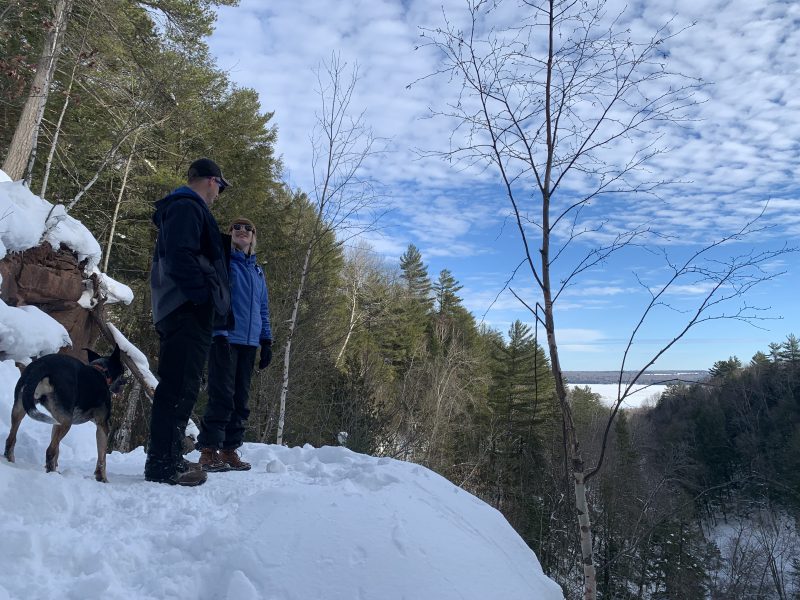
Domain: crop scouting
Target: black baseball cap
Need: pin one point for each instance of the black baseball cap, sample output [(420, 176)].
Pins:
[(205, 167)]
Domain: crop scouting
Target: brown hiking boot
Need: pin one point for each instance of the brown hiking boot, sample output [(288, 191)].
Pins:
[(231, 456), (211, 462)]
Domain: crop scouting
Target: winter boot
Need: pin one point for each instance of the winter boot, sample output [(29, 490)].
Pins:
[(230, 456), (186, 478), (211, 462), (186, 465)]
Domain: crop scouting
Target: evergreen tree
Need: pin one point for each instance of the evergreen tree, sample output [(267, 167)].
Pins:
[(415, 275), (445, 293), (522, 413), (759, 360), (790, 350), (414, 310), (725, 368)]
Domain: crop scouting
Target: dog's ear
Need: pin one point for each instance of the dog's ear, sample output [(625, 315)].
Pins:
[(93, 356), (116, 353)]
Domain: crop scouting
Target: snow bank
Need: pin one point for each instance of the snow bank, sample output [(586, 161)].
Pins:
[(304, 524), (26, 220), (27, 332)]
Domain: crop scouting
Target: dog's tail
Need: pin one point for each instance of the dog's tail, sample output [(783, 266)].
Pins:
[(34, 396)]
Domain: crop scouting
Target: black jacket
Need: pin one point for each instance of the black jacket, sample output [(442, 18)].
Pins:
[(189, 262)]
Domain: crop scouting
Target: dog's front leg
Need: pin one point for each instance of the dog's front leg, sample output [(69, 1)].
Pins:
[(51, 456), (17, 414), (102, 445)]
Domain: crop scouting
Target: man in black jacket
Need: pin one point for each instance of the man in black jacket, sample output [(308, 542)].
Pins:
[(190, 297)]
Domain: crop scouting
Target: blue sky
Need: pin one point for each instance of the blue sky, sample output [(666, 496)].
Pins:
[(740, 151)]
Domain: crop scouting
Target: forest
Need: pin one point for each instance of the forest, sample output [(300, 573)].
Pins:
[(117, 97)]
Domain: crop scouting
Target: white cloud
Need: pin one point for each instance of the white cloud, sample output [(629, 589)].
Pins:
[(739, 151)]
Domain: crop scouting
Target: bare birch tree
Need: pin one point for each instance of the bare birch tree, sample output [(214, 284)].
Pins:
[(360, 267), (549, 102), (344, 200)]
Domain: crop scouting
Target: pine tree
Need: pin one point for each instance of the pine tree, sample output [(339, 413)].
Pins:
[(790, 350), (725, 368), (414, 310), (759, 359), (522, 412), (445, 293), (415, 274)]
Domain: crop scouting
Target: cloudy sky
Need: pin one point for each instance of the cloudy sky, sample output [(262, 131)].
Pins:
[(737, 153)]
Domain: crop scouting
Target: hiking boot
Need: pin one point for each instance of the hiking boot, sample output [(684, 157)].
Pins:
[(184, 466), (211, 462), (231, 456), (186, 478)]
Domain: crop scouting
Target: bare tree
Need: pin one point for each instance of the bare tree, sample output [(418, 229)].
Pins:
[(107, 254), (549, 102), (361, 266), (344, 200)]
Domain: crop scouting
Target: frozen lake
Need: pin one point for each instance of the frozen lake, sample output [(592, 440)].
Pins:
[(642, 396)]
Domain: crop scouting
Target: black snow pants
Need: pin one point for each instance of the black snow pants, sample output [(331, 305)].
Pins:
[(185, 336), (230, 367)]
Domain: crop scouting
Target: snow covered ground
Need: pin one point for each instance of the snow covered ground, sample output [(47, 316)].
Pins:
[(304, 524)]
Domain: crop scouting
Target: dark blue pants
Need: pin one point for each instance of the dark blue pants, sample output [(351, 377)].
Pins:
[(185, 335), (230, 367)]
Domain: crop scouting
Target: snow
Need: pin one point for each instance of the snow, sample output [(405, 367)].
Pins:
[(26, 221), (305, 523), (640, 396), (27, 332), (135, 355), (760, 537)]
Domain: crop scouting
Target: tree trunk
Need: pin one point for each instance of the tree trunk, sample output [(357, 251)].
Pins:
[(27, 131), (119, 202), (352, 325), (288, 347), (123, 438), (57, 132)]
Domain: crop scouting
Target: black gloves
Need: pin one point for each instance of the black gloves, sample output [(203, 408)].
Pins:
[(222, 341), (266, 354)]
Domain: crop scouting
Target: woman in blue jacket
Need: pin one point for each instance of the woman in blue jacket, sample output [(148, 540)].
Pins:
[(233, 354)]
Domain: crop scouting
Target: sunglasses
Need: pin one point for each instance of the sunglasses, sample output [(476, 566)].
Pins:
[(240, 226), (220, 184)]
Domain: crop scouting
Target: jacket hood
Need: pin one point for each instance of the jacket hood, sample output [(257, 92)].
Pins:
[(181, 192)]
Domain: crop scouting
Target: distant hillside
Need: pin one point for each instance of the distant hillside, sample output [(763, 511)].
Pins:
[(656, 377)]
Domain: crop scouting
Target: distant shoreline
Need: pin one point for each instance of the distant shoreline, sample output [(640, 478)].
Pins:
[(661, 377)]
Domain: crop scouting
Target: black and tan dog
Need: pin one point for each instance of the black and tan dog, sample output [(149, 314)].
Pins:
[(69, 392)]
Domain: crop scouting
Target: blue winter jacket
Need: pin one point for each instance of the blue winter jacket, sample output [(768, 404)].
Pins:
[(249, 301)]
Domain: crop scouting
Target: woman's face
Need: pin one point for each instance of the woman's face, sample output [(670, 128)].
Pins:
[(241, 236)]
